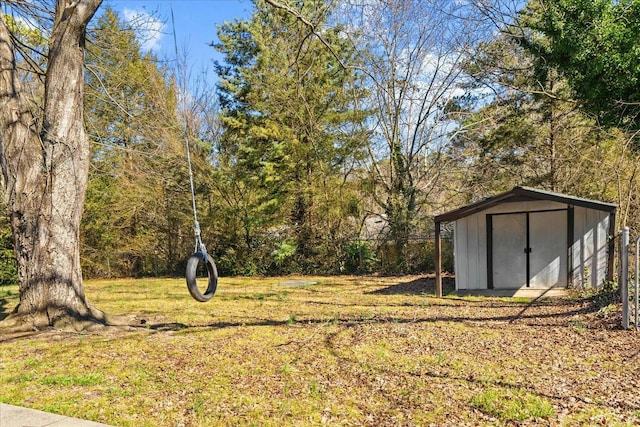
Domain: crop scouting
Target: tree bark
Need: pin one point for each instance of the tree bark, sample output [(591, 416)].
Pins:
[(45, 170)]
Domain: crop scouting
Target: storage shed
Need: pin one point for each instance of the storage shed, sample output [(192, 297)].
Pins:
[(529, 238)]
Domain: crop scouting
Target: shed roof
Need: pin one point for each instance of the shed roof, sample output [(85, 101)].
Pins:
[(520, 194)]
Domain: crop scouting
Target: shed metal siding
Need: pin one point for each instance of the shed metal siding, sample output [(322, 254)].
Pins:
[(589, 248), (470, 252)]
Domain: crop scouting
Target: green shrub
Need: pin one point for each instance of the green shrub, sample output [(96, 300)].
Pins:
[(283, 258), (359, 257)]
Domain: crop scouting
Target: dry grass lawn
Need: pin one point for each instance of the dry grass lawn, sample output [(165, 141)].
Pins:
[(372, 351)]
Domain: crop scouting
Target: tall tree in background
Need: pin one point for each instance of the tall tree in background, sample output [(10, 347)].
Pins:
[(541, 122), (289, 109), (45, 155), (529, 130), (594, 43), (137, 217), (412, 51)]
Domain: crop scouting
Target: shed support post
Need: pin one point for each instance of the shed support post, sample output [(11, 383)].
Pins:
[(438, 261)]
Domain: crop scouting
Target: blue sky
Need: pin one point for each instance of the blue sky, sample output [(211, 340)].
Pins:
[(195, 26)]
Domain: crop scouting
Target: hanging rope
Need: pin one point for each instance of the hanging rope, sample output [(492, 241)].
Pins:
[(200, 250)]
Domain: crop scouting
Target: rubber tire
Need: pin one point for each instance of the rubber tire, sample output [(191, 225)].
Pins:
[(212, 272)]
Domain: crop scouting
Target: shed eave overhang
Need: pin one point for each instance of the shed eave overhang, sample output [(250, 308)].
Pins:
[(519, 194)]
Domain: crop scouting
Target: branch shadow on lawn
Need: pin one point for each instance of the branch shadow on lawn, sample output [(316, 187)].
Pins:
[(426, 286), (422, 286), (537, 312), (4, 310), (478, 320)]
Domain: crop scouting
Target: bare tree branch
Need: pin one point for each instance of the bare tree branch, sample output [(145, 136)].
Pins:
[(311, 26)]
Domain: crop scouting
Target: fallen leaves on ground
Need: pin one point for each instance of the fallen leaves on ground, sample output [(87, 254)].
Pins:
[(378, 351)]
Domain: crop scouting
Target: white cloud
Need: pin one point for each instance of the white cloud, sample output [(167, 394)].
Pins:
[(148, 29)]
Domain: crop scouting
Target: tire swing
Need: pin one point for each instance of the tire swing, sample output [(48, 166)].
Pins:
[(200, 254), (191, 275)]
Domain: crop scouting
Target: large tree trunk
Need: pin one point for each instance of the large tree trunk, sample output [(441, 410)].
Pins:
[(46, 170)]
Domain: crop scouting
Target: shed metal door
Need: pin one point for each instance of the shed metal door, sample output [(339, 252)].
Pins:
[(529, 250), (509, 240), (548, 243)]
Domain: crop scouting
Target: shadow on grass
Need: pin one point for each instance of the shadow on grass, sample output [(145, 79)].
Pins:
[(532, 320), (527, 311), (355, 322), (422, 286), (4, 307), (426, 286), (4, 312)]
